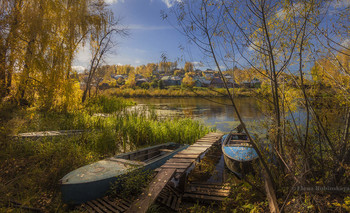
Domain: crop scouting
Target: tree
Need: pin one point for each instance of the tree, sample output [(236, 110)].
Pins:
[(39, 40), (188, 67), (131, 81), (101, 43), (188, 80), (161, 84), (271, 37), (179, 72)]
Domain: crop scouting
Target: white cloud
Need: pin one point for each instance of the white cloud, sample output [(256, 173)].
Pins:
[(83, 56), (340, 3), (197, 64), (79, 69), (295, 8), (346, 43), (170, 3), (113, 1)]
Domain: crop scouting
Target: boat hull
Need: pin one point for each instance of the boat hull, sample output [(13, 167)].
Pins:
[(77, 193), (239, 168), (239, 155)]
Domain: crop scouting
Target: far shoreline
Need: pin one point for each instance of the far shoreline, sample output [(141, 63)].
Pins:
[(178, 92)]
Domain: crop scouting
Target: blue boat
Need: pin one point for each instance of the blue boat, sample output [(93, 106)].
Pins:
[(239, 155), (94, 180)]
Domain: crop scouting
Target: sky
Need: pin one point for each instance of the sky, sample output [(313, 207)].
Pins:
[(149, 35)]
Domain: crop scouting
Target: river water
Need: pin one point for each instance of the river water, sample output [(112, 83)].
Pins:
[(214, 112)]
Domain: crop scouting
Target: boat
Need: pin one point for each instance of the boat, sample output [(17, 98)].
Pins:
[(239, 154), (94, 180)]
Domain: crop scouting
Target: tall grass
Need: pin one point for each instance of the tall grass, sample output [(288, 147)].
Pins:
[(145, 128)]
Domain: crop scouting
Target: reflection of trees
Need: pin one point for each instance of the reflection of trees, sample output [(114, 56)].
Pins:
[(197, 107)]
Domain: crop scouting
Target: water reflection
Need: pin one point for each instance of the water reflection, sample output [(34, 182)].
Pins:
[(217, 114)]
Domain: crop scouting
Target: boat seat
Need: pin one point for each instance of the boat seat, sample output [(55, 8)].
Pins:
[(240, 144), (239, 141)]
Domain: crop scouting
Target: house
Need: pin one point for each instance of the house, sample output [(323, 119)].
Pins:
[(201, 82), (140, 81), (255, 83), (117, 77), (252, 84), (171, 81), (218, 83)]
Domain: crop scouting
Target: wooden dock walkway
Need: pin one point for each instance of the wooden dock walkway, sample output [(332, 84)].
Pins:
[(36, 135), (176, 166)]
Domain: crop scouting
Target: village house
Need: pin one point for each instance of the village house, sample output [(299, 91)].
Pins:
[(201, 81), (218, 83), (140, 81), (171, 81), (252, 84)]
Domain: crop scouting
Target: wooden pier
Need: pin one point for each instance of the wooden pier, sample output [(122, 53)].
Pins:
[(176, 166), (37, 135)]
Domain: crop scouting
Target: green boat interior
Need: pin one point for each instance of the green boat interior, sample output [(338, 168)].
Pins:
[(238, 139)]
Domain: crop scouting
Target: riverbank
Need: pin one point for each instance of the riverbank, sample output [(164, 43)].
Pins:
[(178, 92), (31, 169)]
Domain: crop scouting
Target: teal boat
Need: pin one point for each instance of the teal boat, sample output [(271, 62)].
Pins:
[(94, 180), (239, 155)]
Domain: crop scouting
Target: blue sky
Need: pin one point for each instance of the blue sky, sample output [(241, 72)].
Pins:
[(150, 36)]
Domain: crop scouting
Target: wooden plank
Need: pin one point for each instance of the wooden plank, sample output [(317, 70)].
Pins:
[(173, 204), (109, 206), (178, 204), (170, 197), (199, 145), (204, 197), (125, 202), (180, 171), (204, 143), (123, 206), (208, 141), (114, 204), (206, 191), (156, 186), (196, 149), (181, 165), (99, 205), (211, 186), (84, 207), (95, 208), (190, 156), (175, 166), (180, 160), (191, 152)]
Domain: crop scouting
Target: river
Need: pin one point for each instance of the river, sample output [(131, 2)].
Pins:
[(215, 112)]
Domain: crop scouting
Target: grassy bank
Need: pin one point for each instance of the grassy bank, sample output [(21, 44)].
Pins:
[(30, 169), (178, 92)]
